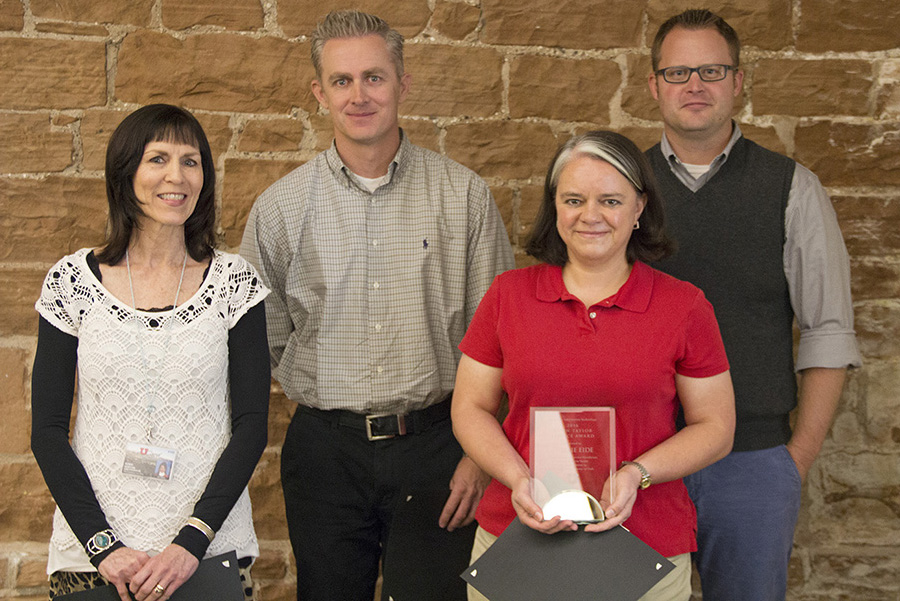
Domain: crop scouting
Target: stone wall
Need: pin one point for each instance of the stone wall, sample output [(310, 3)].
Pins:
[(497, 85)]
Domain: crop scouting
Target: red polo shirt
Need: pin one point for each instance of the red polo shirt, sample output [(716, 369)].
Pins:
[(622, 352)]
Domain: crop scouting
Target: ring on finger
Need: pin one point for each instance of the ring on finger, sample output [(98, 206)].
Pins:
[(159, 589)]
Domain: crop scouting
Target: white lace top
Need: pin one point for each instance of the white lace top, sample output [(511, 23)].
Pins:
[(125, 358)]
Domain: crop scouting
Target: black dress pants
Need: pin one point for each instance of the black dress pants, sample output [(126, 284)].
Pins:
[(341, 491)]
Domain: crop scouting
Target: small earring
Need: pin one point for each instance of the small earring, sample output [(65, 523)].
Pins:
[(637, 225)]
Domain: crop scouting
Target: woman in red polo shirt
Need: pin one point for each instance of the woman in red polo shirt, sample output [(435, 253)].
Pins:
[(593, 325)]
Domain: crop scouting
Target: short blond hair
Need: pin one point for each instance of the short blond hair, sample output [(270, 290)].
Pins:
[(355, 24)]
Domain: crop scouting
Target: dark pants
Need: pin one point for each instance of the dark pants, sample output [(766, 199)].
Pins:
[(341, 491)]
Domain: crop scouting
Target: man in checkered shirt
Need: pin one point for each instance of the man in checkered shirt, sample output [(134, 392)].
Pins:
[(377, 253)]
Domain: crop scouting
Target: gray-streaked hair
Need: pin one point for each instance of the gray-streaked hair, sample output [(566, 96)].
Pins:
[(355, 24), (695, 19), (649, 243)]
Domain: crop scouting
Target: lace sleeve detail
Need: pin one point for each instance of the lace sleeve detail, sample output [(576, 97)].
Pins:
[(245, 288), (66, 295)]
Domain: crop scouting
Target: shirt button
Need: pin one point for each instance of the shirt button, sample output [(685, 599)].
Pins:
[(593, 314), (374, 242), (379, 369), (376, 285), (377, 327)]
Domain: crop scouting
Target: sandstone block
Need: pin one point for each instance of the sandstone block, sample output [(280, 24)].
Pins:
[(278, 591), (505, 149), (523, 260), (636, 98), (766, 137), (453, 80), (421, 132), (874, 278), (563, 24), (876, 328), (29, 144), (883, 405), (848, 26), (455, 20), (245, 179), (15, 428), (281, 410), (125, 12), (504, 198), (858, 573), (97, 126), (643, 137), (852, 515), (12, 15), (17, 297), (565, 89), (532, 197), (45, 219), (844, 154), (846, 432), (887, 103), (268, 500), (32, 76), (805, 88), (765, 24), (31, 572), (870, 224), (299, 17), (270, 565), (226, 72), (241, 15), (271, 135), (26, 508), (322, 132), (71, 29)]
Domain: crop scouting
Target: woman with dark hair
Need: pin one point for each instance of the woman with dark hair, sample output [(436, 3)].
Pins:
[(593, 326), (167, 338)]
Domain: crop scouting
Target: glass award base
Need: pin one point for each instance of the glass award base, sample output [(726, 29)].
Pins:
[(575, 505)]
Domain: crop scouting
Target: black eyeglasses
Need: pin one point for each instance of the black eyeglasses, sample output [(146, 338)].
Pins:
[(706, 73)]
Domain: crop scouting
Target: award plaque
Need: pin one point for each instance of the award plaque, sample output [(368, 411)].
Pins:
[(573, 459)]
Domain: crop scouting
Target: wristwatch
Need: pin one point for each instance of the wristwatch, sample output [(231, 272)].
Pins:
[(100, 542), (645, 475)]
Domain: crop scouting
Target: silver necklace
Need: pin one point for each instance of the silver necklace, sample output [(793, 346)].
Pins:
[(150, 406)]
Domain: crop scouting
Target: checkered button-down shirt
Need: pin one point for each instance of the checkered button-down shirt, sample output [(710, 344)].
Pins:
[(372, 291)]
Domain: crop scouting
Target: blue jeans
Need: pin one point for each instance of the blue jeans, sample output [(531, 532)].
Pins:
[(747, 506)]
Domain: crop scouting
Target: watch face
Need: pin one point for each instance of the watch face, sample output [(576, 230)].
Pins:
[(101, 540)]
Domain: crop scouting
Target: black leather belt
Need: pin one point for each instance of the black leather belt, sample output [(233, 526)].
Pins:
[(382, 426)]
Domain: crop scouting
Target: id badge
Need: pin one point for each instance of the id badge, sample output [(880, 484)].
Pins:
[(148, 461)]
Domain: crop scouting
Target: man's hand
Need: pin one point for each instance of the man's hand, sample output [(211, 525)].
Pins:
[(466, 488)]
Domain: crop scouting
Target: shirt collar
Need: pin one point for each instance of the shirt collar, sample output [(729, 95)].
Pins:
[(343, 173), (666, 147), (634, 295)]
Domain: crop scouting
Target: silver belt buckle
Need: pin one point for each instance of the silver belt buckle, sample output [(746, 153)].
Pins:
[(401, 425)]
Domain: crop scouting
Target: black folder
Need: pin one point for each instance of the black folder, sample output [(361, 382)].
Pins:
[(216, 579), (526, 565)]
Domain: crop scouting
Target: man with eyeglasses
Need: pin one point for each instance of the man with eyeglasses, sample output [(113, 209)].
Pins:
[(757, 232)]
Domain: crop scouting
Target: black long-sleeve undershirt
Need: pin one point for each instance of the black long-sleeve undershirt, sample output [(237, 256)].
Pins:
[(53, 386)]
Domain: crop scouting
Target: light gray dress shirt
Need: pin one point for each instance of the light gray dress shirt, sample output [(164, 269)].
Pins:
[(816, 264), (373, 291)]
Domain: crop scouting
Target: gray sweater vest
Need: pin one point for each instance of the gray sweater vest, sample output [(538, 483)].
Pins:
[(730, 236)]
